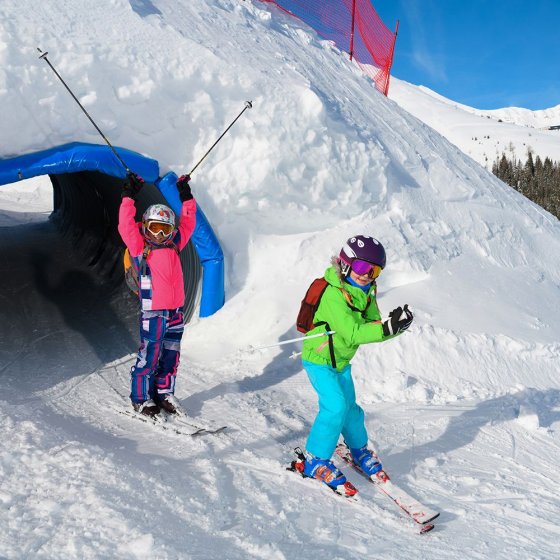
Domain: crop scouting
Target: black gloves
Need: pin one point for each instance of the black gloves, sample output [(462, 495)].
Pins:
[(399, 320), (184, 188), (132, 185)]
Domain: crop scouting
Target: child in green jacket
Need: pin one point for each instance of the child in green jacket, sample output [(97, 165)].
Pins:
[(348, 306)]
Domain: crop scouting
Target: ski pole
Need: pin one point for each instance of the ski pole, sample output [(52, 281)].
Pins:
[(44, 57), (248, 105), (327, 333)]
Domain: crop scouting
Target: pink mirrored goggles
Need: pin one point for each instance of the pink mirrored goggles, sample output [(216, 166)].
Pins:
[(361, 268)]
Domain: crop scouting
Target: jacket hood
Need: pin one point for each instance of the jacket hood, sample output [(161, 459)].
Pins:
[(359, 297)]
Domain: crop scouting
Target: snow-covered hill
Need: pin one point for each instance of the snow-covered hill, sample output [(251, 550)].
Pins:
[(483, 135), (464, 409)]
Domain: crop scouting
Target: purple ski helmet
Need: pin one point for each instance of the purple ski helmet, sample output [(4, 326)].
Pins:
[(363, 248)]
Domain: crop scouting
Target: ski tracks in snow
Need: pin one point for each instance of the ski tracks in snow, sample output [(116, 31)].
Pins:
[(481, 463)]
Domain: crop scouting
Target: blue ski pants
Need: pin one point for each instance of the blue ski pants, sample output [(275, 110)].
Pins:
[(338, 411), (155, 370)]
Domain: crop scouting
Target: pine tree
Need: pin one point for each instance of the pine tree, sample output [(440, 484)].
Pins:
[(537, 180)]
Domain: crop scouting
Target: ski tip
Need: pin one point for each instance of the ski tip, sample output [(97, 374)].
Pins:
[(426, 528), (208, 431), (426, 521), (199, 432), (219, 430), (427, 525)]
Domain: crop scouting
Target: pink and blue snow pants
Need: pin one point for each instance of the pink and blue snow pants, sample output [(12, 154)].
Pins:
[(155, 370)]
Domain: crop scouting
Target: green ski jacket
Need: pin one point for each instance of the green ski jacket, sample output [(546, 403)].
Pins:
[(343, 308)]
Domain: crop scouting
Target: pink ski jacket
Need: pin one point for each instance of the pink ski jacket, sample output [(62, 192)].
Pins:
[(167, 289)]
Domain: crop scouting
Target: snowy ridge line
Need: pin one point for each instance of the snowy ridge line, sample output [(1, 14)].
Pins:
[(479, 134)]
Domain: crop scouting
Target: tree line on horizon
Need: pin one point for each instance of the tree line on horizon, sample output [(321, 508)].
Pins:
[(536, 179)]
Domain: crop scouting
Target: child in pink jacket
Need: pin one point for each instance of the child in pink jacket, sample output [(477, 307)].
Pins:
[(154, 245)]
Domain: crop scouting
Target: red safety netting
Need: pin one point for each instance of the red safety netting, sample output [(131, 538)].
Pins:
[(355, 27)]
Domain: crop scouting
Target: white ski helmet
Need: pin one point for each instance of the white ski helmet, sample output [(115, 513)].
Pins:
[(158, 220)]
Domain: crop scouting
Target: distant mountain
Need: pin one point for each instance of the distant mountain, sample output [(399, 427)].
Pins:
[(481, 134)]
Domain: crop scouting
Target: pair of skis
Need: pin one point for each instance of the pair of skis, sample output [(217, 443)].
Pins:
[(174, 423), (411, 507)]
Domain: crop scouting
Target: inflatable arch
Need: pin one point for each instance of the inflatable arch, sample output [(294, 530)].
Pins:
[(87, 179)]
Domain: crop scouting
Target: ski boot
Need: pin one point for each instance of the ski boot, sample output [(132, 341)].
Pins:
[(366, 460), (324, 471), (169, 403), (147, 408)]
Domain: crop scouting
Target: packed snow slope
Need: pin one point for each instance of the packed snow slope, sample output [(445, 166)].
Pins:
[(483, 135), (464, 408)]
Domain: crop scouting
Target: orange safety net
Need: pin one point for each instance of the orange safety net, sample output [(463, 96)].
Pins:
[(355, 27)]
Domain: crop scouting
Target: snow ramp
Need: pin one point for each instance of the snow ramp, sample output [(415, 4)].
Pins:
[(67, 274)]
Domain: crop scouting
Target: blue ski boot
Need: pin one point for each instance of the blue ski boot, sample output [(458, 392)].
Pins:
[(324, 471), (366, 459)]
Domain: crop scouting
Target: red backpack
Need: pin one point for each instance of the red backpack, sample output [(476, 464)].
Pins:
[(309, 305)]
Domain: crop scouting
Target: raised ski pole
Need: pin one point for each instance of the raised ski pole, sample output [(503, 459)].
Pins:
[(44, 57), (327, 333), (248, 105)]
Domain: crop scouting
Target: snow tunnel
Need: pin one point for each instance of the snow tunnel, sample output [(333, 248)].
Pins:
[(46, 273)]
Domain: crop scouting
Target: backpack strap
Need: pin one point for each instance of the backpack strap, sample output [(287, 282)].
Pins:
[(305, 310), (149, 248), (144, 270), (143, 260), (331, 343), (349, 301)]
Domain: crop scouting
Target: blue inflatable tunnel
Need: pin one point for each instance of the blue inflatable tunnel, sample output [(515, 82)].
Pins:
[(87, 179)]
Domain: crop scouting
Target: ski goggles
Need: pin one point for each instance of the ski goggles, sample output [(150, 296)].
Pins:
[(159, 228), (362, 268)]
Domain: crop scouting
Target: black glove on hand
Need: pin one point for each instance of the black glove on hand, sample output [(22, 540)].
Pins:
[(399, 320), (132, 185), (184, 188)]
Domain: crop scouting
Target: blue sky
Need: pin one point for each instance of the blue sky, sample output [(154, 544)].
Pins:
[(484, 53)]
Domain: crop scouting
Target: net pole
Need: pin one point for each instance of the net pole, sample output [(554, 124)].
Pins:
[(352, 29), (391, 59)]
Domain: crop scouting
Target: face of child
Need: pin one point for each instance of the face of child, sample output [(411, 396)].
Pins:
[(361, 279), (154, 239), (158, 232)]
